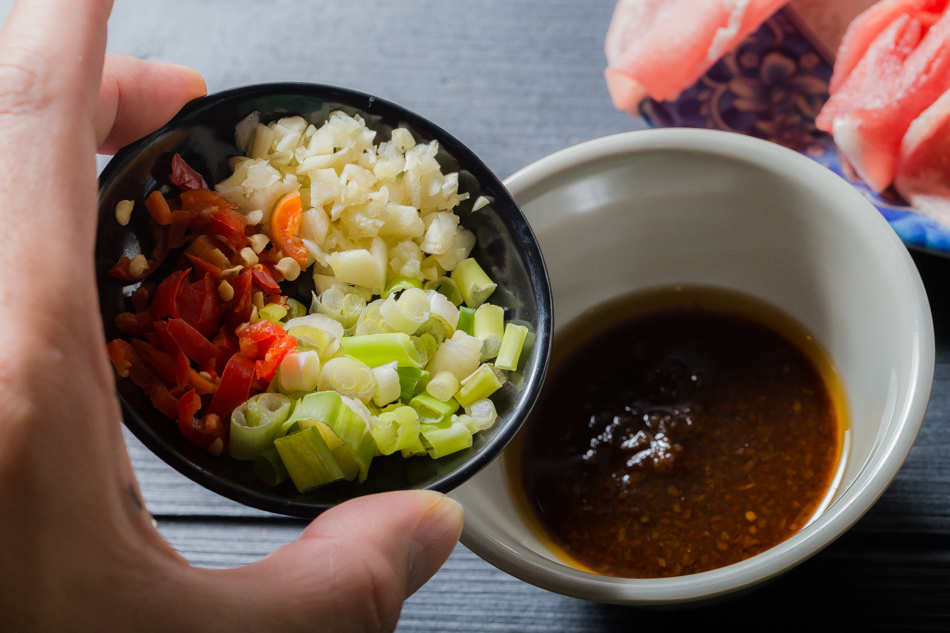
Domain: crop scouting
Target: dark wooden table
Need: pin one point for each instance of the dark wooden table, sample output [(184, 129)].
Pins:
[(517, 80)]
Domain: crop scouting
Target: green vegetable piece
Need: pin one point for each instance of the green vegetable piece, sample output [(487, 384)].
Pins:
[(255, 423), (308, 459), (481, 384), (445, 439), (489, 328), (396, 430), (379, 349), (472, 282), (511, 346), (398, 284), (446, 287), (295, 309), (467, 320), (409, 379), (432, 410), (269, 468), (273, 312)]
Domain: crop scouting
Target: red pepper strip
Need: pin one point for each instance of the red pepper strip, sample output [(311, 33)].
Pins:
[(158, 208), (165, 303), (142, 297), (241, 305), (193, 343), (203, 267), (170, 347), (260, 331), (184, 177), (202, 432), (278, 299), (162, 362), (267, 368), (128, 363), (200, 305), (208, 249), (198, 200), (230, 225), (264, 279), (177, 233), (234, 387), (135, 323)]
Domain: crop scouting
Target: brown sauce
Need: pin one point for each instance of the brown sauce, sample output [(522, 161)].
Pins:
[(680, 431)]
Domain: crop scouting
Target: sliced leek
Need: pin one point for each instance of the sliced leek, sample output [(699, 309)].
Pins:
[(511, 345), (379, 349), (474, 285), (255, 423), (308, 459)]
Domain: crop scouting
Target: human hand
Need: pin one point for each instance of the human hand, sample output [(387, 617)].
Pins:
[(80, 552)]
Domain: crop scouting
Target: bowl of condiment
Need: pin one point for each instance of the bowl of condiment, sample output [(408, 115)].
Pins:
[(312, 294), (742, 359)]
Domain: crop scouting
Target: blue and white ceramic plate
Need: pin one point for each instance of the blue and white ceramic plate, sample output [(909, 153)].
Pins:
[(772, 86)]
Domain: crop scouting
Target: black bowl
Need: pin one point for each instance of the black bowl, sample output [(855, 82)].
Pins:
[(203, 133)]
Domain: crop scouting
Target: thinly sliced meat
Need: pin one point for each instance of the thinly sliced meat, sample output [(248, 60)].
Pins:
[(903, 71), (867, 26), (658, 48), (923, 169)]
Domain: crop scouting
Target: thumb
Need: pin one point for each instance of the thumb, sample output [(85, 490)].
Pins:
[(137, 97), (351, 569)]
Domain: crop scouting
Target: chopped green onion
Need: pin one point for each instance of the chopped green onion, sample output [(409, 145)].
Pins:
[(255, 423), (511, 345), (480, 384), (455, 357), (295, 309), (483, 415), (490, 328), (269, 468), (316, 332), (417, 448), (474, 285), (408, 312), (431, 410), (443, 386), (273, 312), (445, 439), (388, 387), (409, 379), (396, 430), (445, 310), (397, 284), (341, 303), (308, 459), (370, 321), (446, 287), (429, 345), (348, 376), (299, 371), (467, 320), (379, 349)]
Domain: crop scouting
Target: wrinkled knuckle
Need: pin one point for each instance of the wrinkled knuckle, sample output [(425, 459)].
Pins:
[(23, 88)]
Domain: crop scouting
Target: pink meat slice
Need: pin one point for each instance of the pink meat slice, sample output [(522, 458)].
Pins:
[(865, 28), (903, 71), (923, 167), (658, 48)]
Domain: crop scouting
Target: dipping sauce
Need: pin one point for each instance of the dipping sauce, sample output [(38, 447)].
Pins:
[(680, 431)]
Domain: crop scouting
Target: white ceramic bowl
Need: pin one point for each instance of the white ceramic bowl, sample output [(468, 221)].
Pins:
[(677, 206)]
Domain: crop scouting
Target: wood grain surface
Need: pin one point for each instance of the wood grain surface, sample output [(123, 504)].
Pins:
[(517, 80)]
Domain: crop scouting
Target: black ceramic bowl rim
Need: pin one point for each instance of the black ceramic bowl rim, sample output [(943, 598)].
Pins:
[(535, 268)]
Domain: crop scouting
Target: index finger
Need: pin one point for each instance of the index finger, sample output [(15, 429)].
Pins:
[(51, 52)]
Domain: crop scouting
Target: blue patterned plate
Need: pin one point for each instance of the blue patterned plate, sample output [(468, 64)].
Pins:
[(772, 86)]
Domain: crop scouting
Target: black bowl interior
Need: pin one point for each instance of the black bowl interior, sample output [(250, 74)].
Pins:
[(203, 133)]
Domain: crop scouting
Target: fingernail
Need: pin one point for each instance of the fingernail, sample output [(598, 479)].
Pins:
[(433, 539)]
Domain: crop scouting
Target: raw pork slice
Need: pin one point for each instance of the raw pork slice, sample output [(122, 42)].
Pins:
[(658, 48), (867, 26), (923, 169), (903, 70)]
